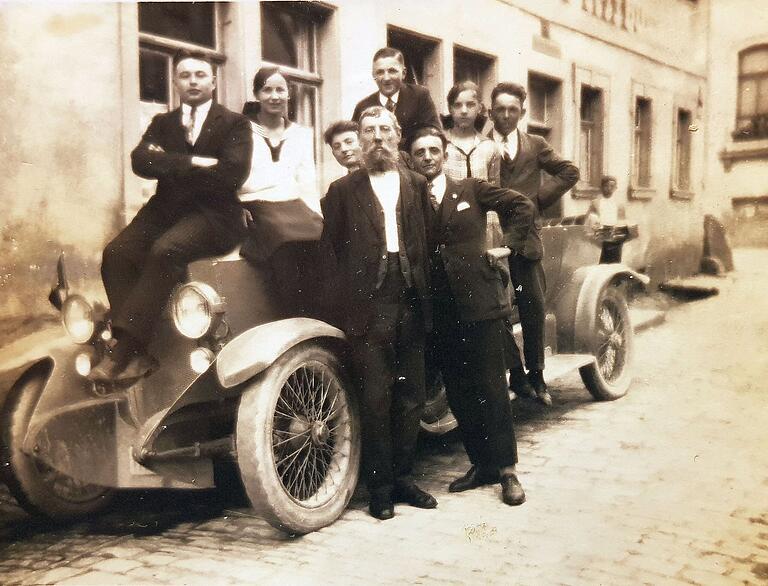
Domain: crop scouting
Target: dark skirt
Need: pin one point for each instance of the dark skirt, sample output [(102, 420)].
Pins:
[(275, 223)]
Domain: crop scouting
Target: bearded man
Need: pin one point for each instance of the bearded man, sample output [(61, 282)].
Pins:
[(374, 221)]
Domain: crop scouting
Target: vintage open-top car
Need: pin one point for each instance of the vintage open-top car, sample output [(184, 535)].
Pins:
[(251, 370)]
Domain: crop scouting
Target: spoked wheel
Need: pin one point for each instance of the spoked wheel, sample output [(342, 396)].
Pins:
[(610, 375), (40, 489), (298, 440)]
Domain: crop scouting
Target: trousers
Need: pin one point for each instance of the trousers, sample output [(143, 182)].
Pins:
[(143, 264), (530, 286), (388, 362)]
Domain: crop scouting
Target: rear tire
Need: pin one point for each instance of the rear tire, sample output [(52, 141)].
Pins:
[(437, 419), (612, 344), (38, 488), (298, 440)]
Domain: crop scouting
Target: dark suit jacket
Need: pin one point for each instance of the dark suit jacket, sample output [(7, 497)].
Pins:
[(534, 155), (459, 234), (182, 187), (354, 229), (414, 108)]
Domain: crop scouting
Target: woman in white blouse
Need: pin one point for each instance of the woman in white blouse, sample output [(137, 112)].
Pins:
[(280, 196)]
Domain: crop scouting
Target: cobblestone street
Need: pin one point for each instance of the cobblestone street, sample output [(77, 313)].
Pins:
[(668, 485)]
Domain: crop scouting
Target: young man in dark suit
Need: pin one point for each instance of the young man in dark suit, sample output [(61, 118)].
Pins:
[(470, 304), (375, 223), (200, 154), (524, 158), (411, 103)]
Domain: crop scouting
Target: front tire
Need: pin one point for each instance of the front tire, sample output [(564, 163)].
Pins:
[(38, 488), (298, 440), (610, 375)]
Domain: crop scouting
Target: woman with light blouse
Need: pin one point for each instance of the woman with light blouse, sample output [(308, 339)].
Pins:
[(280, 196)]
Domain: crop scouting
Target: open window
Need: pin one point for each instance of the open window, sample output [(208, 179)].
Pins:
[(474, 66), (422, 57)]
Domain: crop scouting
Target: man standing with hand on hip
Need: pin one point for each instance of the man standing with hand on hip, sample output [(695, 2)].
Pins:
[(470, 304), (524, 158)]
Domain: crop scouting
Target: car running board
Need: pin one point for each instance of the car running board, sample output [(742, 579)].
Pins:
[(559, 365)]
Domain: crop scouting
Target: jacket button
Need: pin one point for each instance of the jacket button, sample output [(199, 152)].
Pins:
[(383, 257)]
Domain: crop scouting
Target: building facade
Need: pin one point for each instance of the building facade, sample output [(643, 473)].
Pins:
[(619, 86), (737, 118)]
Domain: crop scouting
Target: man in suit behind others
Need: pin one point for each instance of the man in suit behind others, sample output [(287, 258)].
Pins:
[(200, 154), (524, 158), (375, 223), (411, 104)]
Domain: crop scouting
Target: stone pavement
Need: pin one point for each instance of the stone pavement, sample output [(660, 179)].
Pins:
[(668, 485)]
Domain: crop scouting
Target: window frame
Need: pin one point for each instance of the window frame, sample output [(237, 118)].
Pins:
[(741, 133), (169, 46), (589, 186), (635, 191), (311, 77), (486, 73), (598, 80), (678, 190)]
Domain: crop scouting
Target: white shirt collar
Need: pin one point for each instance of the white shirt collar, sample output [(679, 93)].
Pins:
[(511, 137), (394, 97), (200, 113), (439, 186)]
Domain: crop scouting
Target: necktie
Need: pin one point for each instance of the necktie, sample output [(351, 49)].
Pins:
[(190, 127), (505, 146), (390, 105), (432, 197)]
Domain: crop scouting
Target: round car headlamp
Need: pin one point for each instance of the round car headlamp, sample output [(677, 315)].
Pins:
[(196, 310), (77, 317)]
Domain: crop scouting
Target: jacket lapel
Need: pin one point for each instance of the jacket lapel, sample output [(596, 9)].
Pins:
[(523, 150), (450, 201)]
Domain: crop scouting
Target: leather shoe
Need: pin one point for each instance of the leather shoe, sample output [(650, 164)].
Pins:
[(512, 492), (519, 384), (536, 379), (381, 507), (412, 495), (473, 478)]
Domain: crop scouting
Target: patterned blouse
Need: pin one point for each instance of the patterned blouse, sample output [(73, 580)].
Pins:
[(483, 161)]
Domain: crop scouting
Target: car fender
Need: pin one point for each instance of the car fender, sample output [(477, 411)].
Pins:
[(576, 306), (256, 349)]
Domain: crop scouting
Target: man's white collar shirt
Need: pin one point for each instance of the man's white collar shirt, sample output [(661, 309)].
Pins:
[(510, 146), (394, 97), (201, 113), (386, 186), (439, 186)]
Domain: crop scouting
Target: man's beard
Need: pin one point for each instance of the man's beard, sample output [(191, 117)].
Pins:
[(379, 160)]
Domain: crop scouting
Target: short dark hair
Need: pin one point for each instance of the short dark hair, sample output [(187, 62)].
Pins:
[(262, 75), (386, 52), (339, 127), (182, 54), (427, 130), (606, 179), (375, 112), (511, 88)]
